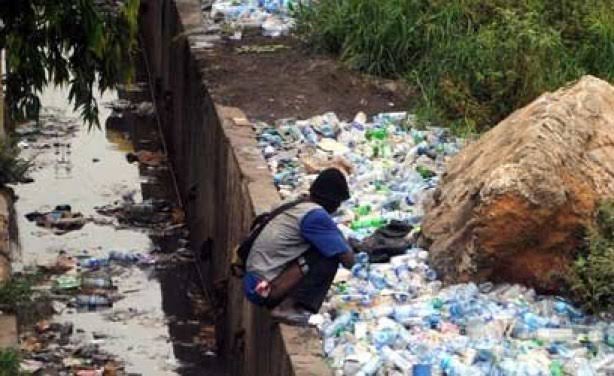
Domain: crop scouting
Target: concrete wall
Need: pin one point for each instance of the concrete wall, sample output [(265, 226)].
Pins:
[(224, 183), (7, 229)]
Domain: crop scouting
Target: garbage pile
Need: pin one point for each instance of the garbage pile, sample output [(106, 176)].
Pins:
[(390, 315), (151, 213), (272, 16), (86, 283), (60, 220), (56, 349)]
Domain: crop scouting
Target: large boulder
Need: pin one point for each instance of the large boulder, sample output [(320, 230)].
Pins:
[(513, 205)]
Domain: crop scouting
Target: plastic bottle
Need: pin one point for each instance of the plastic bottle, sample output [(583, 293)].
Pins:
[(382, 310), (378, 280), (339, 324), (533, 321), (94, 263), (608, 336), (360, 271), (421, 370), (362, 258), (370, 367), (452, 366), (367, 223), (127, 257), (67, 282), (384, 337), (376, 134), (310, 135), (362, 210), (397, 359), (97, 282), (556, 368), (402, 272), (93, 301), (404, 312), (554, 334), (329, 345)]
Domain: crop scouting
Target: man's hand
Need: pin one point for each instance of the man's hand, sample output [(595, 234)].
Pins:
[(347, 259)]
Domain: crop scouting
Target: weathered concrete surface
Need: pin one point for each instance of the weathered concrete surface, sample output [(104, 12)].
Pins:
[(8, 323), (513, 205), (8, 331), (224, 183), (6, 210)]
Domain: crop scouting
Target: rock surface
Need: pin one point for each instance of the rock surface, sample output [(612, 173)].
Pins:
[(513, 205)]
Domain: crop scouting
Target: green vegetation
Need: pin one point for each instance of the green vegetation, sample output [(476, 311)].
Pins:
[(86, 44), (473, 61), (17, 290), (593, 272), (12, 168), (9, 362)]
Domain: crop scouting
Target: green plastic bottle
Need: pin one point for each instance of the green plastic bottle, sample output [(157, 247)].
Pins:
[(362, 210), (556, 369), (67, 282), (425, 172), (376, 134), (367, 223)]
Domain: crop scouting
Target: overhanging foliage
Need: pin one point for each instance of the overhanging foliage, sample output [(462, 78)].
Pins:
[(86, 44)]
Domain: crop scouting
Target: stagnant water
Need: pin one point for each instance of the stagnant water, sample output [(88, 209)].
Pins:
[(154, 329)]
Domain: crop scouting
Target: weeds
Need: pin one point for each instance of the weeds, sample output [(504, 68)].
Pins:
[(593, 272), (16, 291), (474, 61), (9, 362)]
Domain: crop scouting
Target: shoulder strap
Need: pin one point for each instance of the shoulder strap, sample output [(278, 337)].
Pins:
[(282, 208), (242, 251)]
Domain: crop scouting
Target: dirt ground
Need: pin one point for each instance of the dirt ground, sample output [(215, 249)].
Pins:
[(293, 82)]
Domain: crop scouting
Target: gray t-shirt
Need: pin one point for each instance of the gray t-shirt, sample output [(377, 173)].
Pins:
[(279, 243)]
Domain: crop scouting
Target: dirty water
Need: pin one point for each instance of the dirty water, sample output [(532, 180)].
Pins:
[(157, 328)]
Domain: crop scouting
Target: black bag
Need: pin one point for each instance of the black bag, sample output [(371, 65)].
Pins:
[(242, 251)]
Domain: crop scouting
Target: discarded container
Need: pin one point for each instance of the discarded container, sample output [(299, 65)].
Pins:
[(127, 257), (97, 282), (67, 282), (93, 301), (93, 263)]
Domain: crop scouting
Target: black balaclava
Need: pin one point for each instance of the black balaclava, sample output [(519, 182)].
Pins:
[(330, 189)]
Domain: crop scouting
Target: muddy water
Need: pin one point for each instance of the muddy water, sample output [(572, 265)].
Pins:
[(153, 328)]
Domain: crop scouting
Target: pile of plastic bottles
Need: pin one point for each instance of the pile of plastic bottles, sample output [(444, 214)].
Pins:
[(273, 16), (396, 318)]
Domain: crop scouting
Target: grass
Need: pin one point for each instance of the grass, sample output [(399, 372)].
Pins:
[(593, 272), (9, 362), (16, 291), (473, 61)]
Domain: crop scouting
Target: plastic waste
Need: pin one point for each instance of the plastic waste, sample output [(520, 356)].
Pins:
[(273, 16), (397, 317), (396, 359), (93, 301), (421, 370), (340, 324), (372, 222), (97, 282), (67, 282), (94, 263)]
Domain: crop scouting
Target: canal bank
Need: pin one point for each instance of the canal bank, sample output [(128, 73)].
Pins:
[(207, 92)]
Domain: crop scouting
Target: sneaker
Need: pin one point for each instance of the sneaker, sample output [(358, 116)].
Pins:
[(291, 316)]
